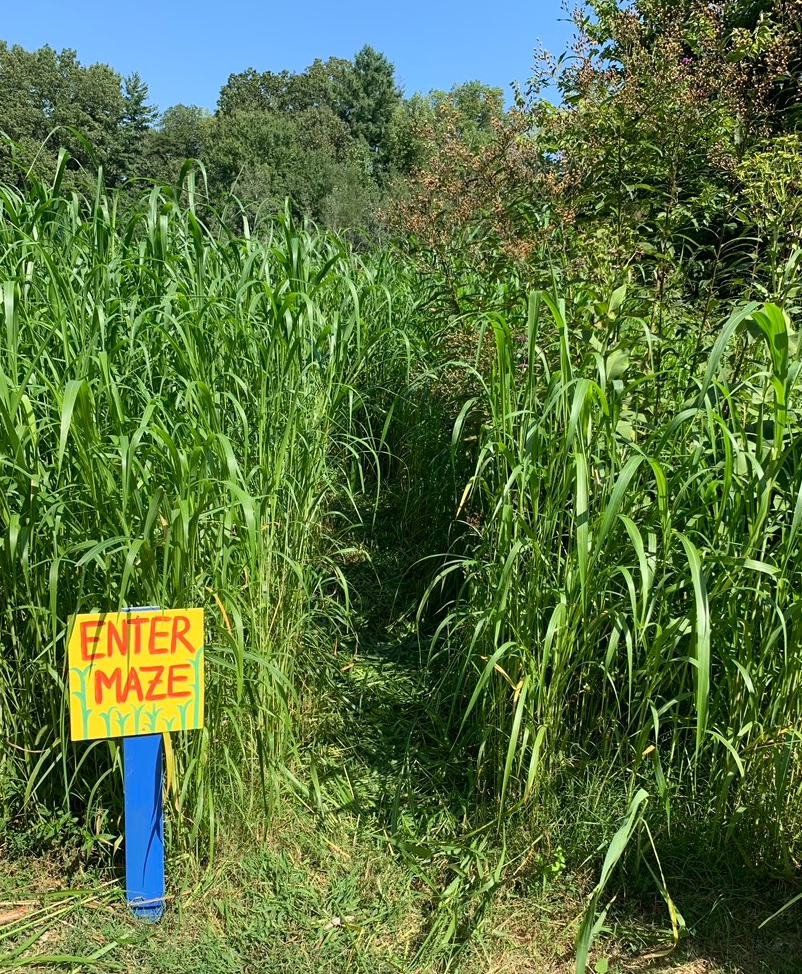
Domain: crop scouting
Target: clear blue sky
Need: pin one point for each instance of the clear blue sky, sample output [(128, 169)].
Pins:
[(186, 51)]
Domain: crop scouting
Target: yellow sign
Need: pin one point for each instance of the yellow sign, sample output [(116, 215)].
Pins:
[(137, 672)]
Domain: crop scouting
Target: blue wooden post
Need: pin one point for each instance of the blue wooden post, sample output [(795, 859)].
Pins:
[(144, 825), (144, 822)]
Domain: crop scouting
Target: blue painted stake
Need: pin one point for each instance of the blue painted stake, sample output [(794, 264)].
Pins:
[(144, 825), (144, 822)]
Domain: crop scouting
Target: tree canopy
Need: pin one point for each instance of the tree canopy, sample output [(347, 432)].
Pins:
[(666, 111)]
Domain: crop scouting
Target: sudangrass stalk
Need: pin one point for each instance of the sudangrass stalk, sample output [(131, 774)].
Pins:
[(179, 409), (626, 598)]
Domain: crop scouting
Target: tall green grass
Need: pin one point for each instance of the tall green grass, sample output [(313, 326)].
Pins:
[(630, 564), (608, 515), (183, 414)]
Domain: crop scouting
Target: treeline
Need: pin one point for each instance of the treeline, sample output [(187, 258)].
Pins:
[(333, 138), (674, 140)]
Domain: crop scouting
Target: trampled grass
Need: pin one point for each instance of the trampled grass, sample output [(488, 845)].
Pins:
[(334, 895)]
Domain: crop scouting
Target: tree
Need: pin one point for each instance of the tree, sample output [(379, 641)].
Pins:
[(308, 155), (411, 138), (469, 112), (662, 103), (137, 120), (471, 108), (312, 136), (183, 132), (250, 91), (319, 85), (368, 97), (47, 97)]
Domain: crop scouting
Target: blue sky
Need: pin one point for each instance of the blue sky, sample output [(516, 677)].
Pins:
[(186, 51)]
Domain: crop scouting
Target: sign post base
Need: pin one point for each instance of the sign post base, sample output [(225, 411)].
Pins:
[(144, 825)]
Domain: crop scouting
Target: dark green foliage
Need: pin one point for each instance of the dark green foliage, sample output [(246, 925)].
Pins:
[(368, 96), (49, 100), (323, 136), (183, 132), (308, 156)]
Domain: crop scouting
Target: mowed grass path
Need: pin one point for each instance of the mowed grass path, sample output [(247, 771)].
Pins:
[(331, 885)]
